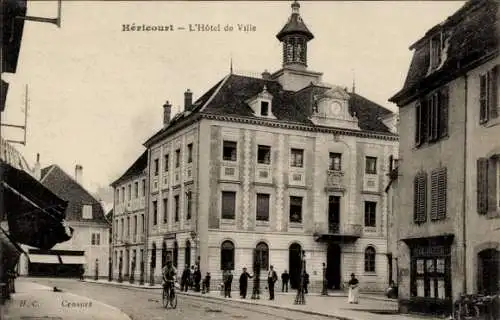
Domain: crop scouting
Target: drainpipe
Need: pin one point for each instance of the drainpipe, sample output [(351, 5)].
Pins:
[(464, 201), (197, 196), (146, 214)]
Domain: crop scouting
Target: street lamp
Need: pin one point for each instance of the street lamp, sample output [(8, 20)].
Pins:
[(131, 279), (110, 269), (141, 280), (256, 277)]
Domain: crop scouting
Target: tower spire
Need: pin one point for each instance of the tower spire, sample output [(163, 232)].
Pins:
[(231, 64), (353, 81)]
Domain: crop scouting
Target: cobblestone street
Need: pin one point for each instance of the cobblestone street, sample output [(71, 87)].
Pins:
[(145, 304)]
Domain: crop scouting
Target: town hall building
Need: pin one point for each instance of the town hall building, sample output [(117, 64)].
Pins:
[(265, 168)]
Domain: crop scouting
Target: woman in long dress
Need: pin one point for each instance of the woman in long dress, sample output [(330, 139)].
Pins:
[(353, 289)]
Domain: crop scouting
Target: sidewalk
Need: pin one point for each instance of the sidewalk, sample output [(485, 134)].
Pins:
[(371, 306), (35, 301)]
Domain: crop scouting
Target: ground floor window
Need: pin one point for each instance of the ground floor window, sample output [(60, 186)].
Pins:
[(489, 271), (227, 255), (431, 272)]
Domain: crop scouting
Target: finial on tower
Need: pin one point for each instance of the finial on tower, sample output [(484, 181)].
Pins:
[(353, 81), (295, 6)]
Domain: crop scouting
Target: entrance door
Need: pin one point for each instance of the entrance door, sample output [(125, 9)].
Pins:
[(333, 263), (333, 214), (489, 265), (294, 262)]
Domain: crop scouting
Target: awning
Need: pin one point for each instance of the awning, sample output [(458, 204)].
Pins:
[(10, 250), (73, 259), (35, 214), (44, 258)]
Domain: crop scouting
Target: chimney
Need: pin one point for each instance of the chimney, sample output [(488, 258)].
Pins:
[(37, 170), (188, 100), (266, 75), (167, 110), (78, 174)]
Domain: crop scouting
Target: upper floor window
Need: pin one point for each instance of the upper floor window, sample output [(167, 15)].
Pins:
[(96, 239), (264, 108), (117, 195), (488, 95), (136, 189), (157, 167), (123, 194), (488, 184), (135, 225), (177, 158), (438, 193), (155, 213), (190, 153), (189, 203), (143, 187), (176, 208), (436, 48), (87, 211), (432, 117), (335, 161), (296, 209), (370, 214), (228, 205), (165, 210), (371, 165), (370, 255), (262, 207), (263, 154), (229, 150), (165, 163), (297, 158), (129, 192)]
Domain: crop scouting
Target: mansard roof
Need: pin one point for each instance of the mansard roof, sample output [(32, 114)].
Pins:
[(228, 98), (473, 36)]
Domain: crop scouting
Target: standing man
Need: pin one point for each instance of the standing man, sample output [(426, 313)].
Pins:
[(284, 281), (244, 283), (228, 280), (185, 278), (272, 277)]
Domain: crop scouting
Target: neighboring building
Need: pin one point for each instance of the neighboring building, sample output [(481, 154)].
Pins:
[(129, 227), (89, 245), (263, 168), (449, 177)]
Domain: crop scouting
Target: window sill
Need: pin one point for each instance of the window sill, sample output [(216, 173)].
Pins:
[(296, 225), (227, 221), (369, 229), (370, 274), (493, 214), (491, 123), (262, 223)]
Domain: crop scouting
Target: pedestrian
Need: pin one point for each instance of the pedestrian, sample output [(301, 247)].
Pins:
[(228, 280), (244, 283), (191, 278), (272, 277), (353, 289), (82, 272), (285, 277), (197, 279), (185, 278), (206, 283), (306, 281)]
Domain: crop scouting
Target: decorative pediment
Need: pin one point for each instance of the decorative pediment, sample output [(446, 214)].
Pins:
[(331, 108)]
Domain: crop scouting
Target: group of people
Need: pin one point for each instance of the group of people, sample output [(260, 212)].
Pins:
[(227, 280), (191, 279)]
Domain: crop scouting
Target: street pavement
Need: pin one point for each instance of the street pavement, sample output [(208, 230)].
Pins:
[(145, 304)]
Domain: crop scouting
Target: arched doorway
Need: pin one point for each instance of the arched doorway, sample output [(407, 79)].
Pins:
[(333, 271), (187, 253), (488, 271), (294, 262), (176, 253)]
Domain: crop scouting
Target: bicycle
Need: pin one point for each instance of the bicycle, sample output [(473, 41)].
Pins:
[(169, 296)]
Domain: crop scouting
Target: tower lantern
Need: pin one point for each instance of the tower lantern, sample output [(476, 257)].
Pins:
[(294, 36)]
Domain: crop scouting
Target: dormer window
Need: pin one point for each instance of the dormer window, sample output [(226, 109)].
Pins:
[(436, 48), (264, 108)]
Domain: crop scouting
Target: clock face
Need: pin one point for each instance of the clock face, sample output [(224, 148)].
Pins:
[(336, 108)]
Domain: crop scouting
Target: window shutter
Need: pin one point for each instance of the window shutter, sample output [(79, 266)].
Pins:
[(483, 101), (492, 184), (420, 191), (434, 194), (482, 185), (493, 99), (443, 113), (442, 193), (418, 123), (425, 116)]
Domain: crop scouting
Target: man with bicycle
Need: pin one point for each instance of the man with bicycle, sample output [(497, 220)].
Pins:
[(169, 276)]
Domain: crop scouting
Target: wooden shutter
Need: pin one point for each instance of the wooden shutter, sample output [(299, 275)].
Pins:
[(444, 112), (492, 184), (420, 192), (493, 98), (442, 193), (483, 99), (482, 185), (434, 194), (418, 123)]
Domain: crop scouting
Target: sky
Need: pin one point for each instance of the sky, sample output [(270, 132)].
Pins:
[(96, 92)]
